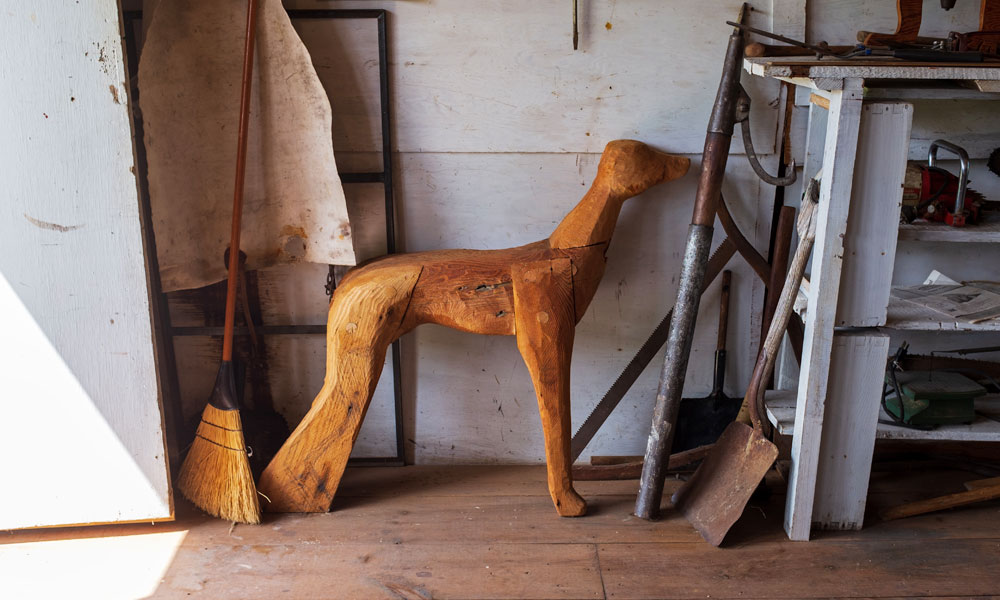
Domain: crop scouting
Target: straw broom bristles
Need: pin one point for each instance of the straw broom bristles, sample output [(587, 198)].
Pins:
[(216, 475)]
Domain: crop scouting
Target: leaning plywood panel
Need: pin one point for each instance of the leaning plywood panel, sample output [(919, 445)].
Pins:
[(81, 435), (189, 83)]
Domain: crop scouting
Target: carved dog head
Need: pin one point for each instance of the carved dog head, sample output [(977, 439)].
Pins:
[(632, 167)]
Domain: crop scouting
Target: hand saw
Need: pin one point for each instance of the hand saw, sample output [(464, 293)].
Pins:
[(735, 242)]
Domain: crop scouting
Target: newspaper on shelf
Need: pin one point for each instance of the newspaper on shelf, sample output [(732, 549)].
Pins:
[(962, 302)]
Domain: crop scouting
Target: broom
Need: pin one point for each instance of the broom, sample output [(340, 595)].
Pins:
[(215, 474)]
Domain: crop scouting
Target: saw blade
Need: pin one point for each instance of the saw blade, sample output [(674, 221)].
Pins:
[(635, 367)]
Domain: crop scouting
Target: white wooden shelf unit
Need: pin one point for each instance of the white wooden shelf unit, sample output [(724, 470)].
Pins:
[(859, 134)]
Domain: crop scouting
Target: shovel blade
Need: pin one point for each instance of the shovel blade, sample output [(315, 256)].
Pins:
[(715, 496)]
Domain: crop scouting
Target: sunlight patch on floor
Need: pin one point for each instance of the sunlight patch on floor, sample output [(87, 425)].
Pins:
[(123, 567)]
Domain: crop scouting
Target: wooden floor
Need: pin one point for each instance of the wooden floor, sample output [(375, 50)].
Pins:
[(491, 532)]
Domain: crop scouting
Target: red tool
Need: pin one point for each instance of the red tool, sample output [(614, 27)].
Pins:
[(933, 194)]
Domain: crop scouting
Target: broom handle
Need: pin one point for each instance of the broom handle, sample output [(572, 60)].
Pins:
[(241, 167)]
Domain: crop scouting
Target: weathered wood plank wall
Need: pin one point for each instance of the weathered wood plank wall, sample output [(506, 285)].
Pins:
[(498, 128)]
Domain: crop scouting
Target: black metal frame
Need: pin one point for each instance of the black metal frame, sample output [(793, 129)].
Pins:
[(168, 366)]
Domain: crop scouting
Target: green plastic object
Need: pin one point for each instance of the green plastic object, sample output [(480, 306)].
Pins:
[(935, 398)]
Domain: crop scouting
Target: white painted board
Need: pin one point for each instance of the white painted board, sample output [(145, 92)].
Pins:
[(827, 259), (870, 239), (985, 428), (857, 370), (81, 436), (503, 76)]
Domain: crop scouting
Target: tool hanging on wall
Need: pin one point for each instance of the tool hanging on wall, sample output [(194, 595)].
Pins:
[(216, 474), (822, 49), (576, 30), (732, 105), (933, 194), (909, 13)]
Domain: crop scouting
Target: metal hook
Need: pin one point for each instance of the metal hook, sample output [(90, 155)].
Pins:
[(743, 118)]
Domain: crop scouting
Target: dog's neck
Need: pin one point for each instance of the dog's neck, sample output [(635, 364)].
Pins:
[(592, 221)]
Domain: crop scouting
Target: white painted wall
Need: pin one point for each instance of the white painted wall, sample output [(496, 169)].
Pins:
[(81, 437)]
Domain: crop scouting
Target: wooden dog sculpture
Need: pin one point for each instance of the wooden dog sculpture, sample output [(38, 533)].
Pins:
[(537, 292)]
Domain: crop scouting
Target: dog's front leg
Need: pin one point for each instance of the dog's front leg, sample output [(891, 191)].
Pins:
[(544, 319)]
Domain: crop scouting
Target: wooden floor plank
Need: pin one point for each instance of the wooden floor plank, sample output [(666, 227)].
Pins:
[(973, 522), (461, 520), (801, 570), (421, 532), (388, 570), (467, 480)]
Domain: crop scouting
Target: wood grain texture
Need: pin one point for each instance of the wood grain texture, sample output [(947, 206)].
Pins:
[(762, 570), (838, 21), (476, 291), (908, 15), (544, 319), (920, 507), (431, 532), (468, 399), (365, 317), (981, 483)]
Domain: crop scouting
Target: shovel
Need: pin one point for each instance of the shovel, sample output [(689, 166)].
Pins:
[(700, 421), (715, 496)]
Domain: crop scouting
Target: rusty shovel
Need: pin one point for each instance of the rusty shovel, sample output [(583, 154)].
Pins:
[(715, 496)]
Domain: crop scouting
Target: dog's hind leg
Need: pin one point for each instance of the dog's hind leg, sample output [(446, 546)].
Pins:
[(365, 317), (544, 318)]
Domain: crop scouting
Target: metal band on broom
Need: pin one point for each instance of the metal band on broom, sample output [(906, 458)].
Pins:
[(216, 471)]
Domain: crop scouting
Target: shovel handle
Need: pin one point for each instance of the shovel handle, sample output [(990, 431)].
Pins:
[(727, 278), (750, 410)]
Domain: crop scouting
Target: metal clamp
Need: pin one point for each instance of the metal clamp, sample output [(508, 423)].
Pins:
[(963, 174), (743, 118)]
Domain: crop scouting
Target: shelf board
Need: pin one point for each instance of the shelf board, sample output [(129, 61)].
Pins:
[(823, 73), (780, 406), (908, 316), (927, 89), (988, 231)]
